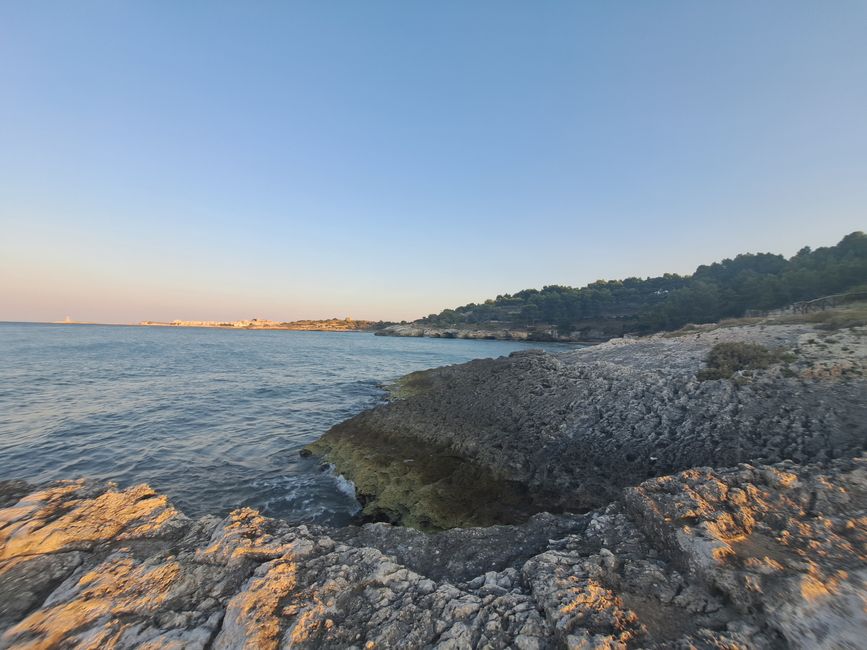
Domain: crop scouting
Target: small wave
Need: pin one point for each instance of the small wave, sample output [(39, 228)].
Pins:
[(343, 484)]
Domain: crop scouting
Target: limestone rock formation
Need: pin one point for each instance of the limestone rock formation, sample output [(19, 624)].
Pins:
[(494, 440), (749, 557)]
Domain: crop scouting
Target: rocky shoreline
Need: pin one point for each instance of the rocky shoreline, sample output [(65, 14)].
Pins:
[(493, 440), (492, 334), (600, 498), (747, 557)]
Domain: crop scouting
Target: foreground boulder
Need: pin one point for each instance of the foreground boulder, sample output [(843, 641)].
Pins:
[(494, 440), (753, 557)]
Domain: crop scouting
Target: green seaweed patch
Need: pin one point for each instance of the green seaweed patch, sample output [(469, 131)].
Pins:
[(726, 359), (413, 483), (410, 385)]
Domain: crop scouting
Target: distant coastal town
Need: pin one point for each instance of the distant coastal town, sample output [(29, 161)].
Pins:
[(328, 325)]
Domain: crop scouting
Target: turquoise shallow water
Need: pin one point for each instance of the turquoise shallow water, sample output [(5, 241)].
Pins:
[(213, 418)]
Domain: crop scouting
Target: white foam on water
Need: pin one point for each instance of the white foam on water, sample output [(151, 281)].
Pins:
[(346, 486)]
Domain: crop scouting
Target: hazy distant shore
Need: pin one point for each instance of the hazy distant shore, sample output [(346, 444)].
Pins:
[(327, 325), (331, 325)]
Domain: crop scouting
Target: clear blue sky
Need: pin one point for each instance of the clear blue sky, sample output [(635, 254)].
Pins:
[(164, 160)]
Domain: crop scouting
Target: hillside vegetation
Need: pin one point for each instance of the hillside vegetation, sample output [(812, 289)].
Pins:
[(730, 288)]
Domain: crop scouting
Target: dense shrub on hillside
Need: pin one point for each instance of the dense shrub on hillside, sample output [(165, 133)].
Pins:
[(725, 359), (724, 289)]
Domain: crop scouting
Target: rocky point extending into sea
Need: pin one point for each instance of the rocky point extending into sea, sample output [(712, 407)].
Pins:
[(417, 330), (609, 497), (494, 440)]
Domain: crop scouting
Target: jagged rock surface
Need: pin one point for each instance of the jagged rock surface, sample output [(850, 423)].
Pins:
[(752, 557), (566, 432)]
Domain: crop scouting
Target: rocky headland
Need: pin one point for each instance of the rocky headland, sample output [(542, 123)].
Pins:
[(622, 496), (494, 440), (418, 329)]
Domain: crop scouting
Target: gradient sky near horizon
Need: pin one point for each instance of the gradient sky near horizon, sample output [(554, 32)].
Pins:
[(226, 160)]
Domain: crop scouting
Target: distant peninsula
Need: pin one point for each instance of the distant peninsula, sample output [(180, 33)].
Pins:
[(750, 285), (328, 325)]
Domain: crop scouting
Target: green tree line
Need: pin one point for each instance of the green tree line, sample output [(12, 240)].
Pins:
[(730, 288)]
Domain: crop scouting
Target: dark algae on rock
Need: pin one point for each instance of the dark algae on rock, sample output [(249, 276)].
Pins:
[(426, 486)]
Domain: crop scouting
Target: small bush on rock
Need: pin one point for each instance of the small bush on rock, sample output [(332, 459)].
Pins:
[(725, 359)]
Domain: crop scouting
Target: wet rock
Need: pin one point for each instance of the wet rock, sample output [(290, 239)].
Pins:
[(12, 491)]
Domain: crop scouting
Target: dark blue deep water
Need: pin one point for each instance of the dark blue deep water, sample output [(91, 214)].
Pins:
[(212, 418)]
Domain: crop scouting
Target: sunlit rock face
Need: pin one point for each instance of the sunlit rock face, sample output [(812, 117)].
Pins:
[(754, 557)]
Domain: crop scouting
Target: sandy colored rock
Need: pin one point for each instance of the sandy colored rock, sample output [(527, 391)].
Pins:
[(749, 557)]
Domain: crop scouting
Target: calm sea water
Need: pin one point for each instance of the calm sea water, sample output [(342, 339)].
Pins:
[(212, 418)]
